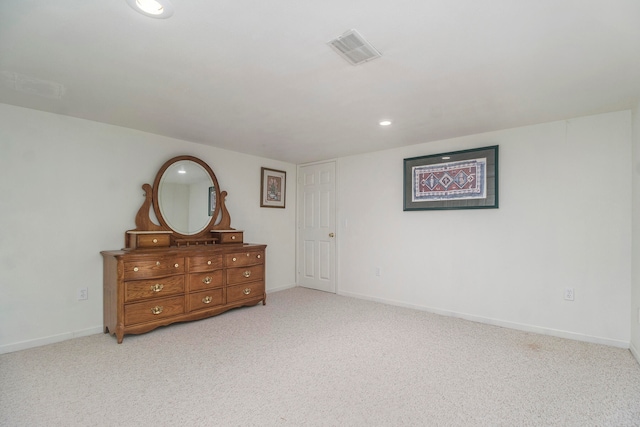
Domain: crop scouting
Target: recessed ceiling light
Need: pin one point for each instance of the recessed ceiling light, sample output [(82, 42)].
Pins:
[(161, 9), (385, 123)]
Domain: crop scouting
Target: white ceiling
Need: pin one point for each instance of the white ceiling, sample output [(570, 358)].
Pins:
[(258, 77)]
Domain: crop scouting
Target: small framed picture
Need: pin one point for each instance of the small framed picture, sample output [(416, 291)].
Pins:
[(273, 186)]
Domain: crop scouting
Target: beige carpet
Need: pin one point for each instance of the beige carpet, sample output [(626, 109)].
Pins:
[(310, 358)]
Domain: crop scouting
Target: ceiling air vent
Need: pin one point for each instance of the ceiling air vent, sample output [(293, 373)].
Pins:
[(354, 48)]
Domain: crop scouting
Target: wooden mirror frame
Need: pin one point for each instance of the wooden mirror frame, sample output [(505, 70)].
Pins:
[(221, 220)]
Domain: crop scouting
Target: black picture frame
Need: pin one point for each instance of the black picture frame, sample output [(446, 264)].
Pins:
[(466, 179), (273, 188)]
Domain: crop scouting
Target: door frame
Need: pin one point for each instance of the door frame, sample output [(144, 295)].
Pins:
[(335, 213)]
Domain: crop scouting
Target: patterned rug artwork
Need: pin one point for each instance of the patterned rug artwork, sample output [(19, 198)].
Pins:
[(466, 179)]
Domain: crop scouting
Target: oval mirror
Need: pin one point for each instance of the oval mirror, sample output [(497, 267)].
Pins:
[(186, 196)]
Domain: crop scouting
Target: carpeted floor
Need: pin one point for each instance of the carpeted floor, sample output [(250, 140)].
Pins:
[(310, 358)]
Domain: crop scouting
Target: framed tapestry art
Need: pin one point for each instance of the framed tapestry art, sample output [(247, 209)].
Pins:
[(273, 185), (465, 179)]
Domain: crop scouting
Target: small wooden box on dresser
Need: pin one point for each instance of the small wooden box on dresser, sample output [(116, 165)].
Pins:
[(155, 281)]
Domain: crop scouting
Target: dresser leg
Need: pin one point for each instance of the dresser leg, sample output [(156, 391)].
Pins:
[(264, 299), (120, 334)]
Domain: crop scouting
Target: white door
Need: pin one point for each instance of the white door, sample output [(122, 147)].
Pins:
[(316, 261)]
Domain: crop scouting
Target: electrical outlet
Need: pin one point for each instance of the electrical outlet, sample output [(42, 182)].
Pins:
[(568, 294), (83, 294), (378, 272)]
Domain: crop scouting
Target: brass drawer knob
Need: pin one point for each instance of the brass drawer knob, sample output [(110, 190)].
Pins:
[(207, 280), (135, 268), (246, 273), (259, 256), (176, 265), (157, 262), (155, 240), (233, 237), (157, 287), (246, 291), (208, 262), (207, 299), (157, 309), (234, 259)]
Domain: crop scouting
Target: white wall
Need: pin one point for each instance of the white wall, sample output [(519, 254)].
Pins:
[(564, 221), (635, 284), (69, 188)]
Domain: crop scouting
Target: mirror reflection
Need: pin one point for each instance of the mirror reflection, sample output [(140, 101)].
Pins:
[(186, 197)]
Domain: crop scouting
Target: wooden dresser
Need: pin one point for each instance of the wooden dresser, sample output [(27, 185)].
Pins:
[(191, 266), (145, 289)]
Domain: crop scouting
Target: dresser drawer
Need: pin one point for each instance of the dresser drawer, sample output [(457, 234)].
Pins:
[(153, 240), (148, 311), (142, 289), (245, 274), (239, 259), (228, 236), (205, 299), (246, 291), (205, 263), (208, 280), (148, 239), (148, 268)]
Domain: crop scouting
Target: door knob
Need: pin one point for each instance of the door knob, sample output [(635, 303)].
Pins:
[(331, 235)]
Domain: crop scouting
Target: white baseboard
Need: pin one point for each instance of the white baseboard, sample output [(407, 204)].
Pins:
[(280, 288), (635, 352), (498, 322), (23, 345)]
